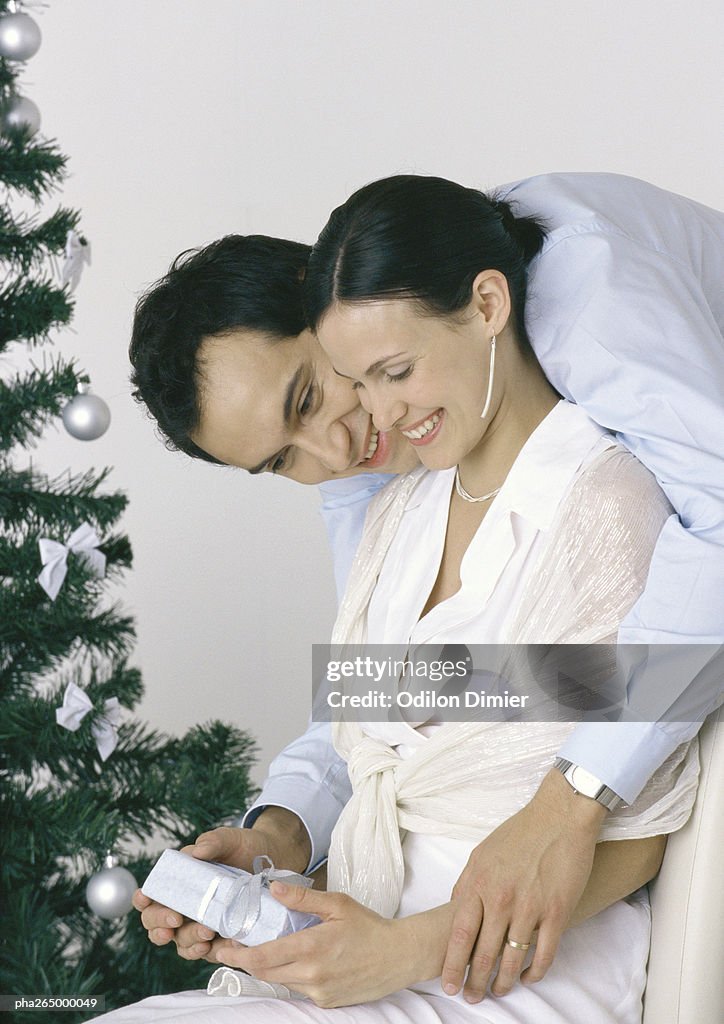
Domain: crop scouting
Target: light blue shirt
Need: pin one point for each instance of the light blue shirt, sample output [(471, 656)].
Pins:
[(625, 312)]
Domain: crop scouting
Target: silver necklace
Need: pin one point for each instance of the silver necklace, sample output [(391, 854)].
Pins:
[(468, 497)]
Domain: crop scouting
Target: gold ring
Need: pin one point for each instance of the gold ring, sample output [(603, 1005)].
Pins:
[(517, 945)]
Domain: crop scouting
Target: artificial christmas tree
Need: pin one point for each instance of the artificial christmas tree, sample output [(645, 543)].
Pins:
[(79, 779)]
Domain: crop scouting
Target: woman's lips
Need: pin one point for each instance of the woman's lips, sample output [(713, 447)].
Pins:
[(435, 421), (385, 440)]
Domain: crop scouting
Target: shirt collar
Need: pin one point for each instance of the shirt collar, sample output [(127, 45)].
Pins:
[(542, 472), (548, 463)]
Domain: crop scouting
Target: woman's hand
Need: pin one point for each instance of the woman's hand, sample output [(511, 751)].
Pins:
[(277, 833), (353, 956)]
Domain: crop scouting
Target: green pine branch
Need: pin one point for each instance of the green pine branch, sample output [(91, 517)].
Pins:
[(30, 167), (21, 564), (185, 800), (52, 844), (30, 735), (225, 784), (25, 242), (118, 552), (31, 505), (30, 400), (142, 792), (119, 680), (56, 630), (31, 309), (39, 960)]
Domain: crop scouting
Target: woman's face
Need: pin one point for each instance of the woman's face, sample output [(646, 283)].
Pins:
[(424, 376)]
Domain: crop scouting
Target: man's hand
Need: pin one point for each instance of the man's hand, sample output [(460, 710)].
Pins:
[(353, 956), (528, 874), (277, 833)]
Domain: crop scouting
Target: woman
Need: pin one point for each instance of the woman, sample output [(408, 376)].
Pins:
[(541, 529)]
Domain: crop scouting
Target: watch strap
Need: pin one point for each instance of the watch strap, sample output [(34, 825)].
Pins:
[(599, 791)]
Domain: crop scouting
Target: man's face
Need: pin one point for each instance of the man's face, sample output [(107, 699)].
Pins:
[(278, 407)]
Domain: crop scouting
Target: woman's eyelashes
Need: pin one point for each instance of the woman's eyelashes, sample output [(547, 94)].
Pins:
[(390, 376), (403, 374)]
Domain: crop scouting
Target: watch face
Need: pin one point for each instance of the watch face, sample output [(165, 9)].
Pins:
[(584, 781)]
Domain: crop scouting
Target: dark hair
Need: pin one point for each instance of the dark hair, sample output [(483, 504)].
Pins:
[(241, 281), (421, 238)]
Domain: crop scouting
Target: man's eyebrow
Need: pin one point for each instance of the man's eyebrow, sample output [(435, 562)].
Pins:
[(287, 414)]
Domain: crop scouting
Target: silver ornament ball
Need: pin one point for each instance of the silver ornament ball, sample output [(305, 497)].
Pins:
[(110, 890), (20, 112), (19, 37), (86, 417)]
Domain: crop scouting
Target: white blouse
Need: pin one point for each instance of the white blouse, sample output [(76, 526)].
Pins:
[(561, 554), (496, 567)]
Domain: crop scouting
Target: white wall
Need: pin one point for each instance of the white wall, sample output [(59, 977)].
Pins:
[(186, 120)]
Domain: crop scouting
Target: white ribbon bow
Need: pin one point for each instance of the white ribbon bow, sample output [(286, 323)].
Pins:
[(54, 556), (77, 704)]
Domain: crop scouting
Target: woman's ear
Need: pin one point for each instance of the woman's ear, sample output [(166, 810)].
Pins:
[(491, 298)]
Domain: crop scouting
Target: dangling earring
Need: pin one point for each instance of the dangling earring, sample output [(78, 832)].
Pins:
[(491, 374)]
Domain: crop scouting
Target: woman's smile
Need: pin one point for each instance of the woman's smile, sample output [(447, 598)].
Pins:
[(424, 431)]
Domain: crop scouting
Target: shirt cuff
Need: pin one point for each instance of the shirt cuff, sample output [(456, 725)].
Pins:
[(623, 755), (314, 805)]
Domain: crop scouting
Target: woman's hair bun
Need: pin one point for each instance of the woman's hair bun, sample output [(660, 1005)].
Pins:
[(526, 231)]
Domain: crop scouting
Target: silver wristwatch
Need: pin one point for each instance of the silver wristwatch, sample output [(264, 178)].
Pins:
[(585, 783)]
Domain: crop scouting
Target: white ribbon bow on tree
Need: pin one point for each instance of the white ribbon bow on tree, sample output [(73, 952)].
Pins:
[(77, 704), (82, 542)]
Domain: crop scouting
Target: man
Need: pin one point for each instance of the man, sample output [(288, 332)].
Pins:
[(625, 314)]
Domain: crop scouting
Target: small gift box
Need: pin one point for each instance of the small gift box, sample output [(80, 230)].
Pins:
[(232, 902)]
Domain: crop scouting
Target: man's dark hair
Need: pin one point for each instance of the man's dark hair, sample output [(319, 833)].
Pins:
[(250, 282)]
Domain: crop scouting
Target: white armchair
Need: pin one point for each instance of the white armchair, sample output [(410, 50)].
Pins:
[(686, 965)]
